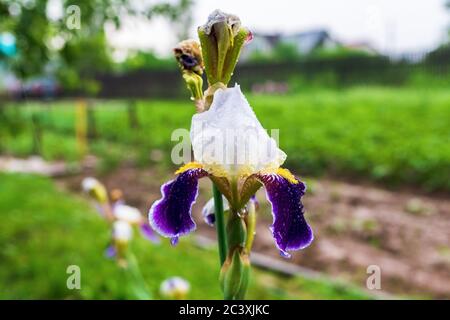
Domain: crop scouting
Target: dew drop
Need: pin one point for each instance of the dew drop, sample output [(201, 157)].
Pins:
[(242, 213), (174, 241), (285, 254)]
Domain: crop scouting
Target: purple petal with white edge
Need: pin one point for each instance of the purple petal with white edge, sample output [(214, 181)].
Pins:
[(171, 216), (148, 233), (290, 229)]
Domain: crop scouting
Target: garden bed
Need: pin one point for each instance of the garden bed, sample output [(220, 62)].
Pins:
[(404, 233)]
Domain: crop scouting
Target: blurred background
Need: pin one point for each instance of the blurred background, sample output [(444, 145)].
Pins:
[(360, 91)]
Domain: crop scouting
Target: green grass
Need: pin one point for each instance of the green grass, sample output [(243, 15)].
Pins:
[(44, 230), (395, 136)]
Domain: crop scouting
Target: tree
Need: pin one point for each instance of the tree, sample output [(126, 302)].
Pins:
[(75, 49), (180, 17)]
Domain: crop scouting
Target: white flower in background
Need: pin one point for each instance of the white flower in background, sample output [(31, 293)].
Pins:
[(175, 288), (132, 215)]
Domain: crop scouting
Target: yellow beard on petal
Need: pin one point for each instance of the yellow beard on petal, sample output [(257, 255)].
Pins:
[(217, 170), (188, 166), (285, 173), (240, 172)]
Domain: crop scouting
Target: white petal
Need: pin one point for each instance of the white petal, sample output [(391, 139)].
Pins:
[(229, 140), (126, 213), (122, 231)]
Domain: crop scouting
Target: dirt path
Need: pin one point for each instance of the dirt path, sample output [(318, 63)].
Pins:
[(406, 235)]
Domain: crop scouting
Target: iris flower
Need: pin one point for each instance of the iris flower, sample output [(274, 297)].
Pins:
[(233, 150)]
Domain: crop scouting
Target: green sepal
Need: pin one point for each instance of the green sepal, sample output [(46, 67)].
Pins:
[(233, 55), (234, 275), (250, 186), (209, 52)]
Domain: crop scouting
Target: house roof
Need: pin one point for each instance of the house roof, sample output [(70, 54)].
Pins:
[(306, 41)]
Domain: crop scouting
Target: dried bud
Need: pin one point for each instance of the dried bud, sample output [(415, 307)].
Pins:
[(95, 189), (116, 195), (189, 56)]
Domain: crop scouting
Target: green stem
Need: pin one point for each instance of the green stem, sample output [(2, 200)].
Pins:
[(220, 224), (139, 287)]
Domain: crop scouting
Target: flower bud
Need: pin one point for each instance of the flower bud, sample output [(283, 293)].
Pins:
[(221, 38), (95, 189), (116, 195)]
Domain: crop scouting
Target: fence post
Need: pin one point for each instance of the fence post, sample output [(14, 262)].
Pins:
[(132, 114), (36, 129), (91, 122), (3, 123), (81, 127)]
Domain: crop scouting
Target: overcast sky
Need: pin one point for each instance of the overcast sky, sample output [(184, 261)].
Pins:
[(392, 26)]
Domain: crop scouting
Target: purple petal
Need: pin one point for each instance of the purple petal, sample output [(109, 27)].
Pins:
[(171, 216), (148, 233), (110, 252), (289, 228)]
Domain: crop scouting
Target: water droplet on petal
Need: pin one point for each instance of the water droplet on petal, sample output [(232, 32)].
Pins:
[(174, 241), (285, 254), (242, 213)]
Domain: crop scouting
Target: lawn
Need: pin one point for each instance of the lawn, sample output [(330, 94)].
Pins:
[(44, 230), (397, 137)]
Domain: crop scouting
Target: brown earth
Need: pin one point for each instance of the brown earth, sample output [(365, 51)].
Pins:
[(406, 234)]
